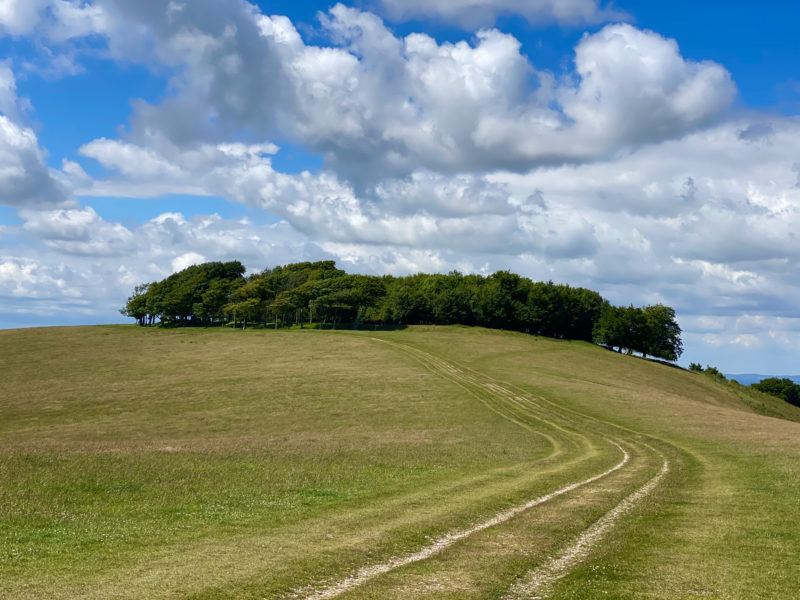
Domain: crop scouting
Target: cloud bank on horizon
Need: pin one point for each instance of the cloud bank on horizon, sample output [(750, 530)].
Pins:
[(627, 167)]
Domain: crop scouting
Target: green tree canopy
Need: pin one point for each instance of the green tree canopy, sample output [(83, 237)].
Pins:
[(780, 387), (216, 293)]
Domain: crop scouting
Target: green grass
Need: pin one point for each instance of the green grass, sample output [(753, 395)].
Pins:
[(191, 463)]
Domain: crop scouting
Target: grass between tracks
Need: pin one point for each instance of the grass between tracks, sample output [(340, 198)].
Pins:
[(722, 524), (215, 463)]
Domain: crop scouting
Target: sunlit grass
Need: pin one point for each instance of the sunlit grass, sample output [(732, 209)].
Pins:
[(217, 464)]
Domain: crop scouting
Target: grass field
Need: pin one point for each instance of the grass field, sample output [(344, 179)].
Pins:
[(192, 463)]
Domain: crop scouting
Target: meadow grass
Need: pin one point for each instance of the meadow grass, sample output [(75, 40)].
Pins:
[(722, 526), (209, 463)]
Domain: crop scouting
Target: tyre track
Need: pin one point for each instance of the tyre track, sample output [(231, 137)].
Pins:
[(515, 407), (366, 573), (496, 397), (539, 582)]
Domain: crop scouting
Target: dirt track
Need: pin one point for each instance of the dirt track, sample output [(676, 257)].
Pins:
[(512, 404)]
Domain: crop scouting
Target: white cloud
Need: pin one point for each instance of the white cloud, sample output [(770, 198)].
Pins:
[(636, 87), (23, 278), (11, 104), (179, 263), (481, 13), (410, 103), (425, 209), (748, 331), (78, 231), (20, 17), (391, 260), (376, 105), (665, 226), (55, 20), (25, 179), (79, 269), (131, 161), (645, 204)]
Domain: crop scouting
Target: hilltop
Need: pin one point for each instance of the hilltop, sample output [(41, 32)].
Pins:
[(447, 462), (218, 294)]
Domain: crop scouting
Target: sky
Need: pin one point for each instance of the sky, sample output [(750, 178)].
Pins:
[(646, 150)]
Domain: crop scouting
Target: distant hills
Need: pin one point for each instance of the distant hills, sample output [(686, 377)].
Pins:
[(748, 378)]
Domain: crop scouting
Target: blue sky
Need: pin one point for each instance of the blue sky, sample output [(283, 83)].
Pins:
[(648, 150)]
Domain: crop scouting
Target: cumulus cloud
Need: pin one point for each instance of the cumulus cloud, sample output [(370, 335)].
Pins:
[(25, 179), (20, 17), (726, 243), (483, 13), (754, 132), (187, 259), (768, 334), (75, 264), (78, 231), (636, 87), (54, 24), (449, 107), (375, 105), (631, 87), (465, 212), (11, 104), (54, 20), (24, 278), (131, 161)]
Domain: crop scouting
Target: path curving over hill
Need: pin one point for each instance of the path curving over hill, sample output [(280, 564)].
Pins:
[(530, 412)]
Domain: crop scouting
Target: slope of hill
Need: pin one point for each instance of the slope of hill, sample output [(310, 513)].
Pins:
[(445, 462)]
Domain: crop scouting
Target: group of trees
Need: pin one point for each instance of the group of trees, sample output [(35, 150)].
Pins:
[(650, 330), (196, 295), (219, 293), (780, 387)]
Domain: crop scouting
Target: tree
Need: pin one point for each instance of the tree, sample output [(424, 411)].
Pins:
[(215, 298), (246, 310), (404, 301), (200, 313), (661, 335), (136, 306), (780, 387), (611, 329), (582, 309), (367, 290)]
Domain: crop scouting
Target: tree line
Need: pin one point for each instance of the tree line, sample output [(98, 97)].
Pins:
[(781, 387), (319, 294)]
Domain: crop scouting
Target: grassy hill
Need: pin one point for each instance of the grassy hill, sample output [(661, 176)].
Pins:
[(444, 462)]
